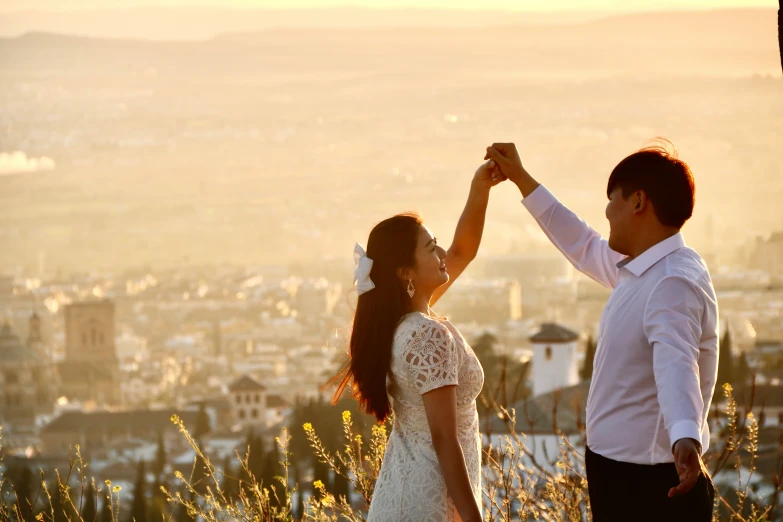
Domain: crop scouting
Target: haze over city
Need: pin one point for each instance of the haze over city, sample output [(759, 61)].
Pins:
[(182, 184)]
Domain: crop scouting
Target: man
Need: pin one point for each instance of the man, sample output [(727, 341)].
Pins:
[(656, 361)]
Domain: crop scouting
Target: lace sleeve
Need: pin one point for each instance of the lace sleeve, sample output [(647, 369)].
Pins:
[(431, 357)]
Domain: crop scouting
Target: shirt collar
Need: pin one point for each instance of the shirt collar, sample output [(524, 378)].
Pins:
[(640, 264)]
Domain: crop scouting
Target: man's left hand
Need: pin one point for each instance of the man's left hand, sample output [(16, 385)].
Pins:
[(687, 458)]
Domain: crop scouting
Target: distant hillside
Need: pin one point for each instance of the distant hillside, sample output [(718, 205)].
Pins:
[(724, 43), (199, 23), (733, 29)]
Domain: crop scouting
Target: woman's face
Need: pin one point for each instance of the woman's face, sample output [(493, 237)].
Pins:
[(430, 270)]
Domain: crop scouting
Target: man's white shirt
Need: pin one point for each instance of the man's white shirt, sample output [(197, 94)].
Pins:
[(656, 360)]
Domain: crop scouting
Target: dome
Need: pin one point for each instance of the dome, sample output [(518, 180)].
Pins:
[(12, 349)]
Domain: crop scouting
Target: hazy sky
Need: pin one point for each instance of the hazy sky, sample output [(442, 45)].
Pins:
[(521, 5)]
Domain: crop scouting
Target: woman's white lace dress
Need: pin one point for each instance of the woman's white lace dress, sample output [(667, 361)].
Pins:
[(428, 353)]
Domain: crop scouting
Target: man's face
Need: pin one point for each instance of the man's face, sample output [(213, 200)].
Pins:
[(620, 212)]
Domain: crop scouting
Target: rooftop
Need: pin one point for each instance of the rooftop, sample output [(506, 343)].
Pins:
[(563, 409), (554, 333), (246, 383)]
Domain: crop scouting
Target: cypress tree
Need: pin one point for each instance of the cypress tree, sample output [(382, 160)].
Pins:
[(300, 505), (203, 423), (742, 370), (229, 483), (90, 505), (138, 510), (341, 487), (257, 460), (725, 366), (160, 457), (272, 467), (24, 492), (586, 372), (321, 471), (106, 514), (199, 477), (181, 514), (157, 512)]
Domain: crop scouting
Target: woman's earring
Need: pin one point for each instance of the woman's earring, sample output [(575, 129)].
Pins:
[(411, 290)]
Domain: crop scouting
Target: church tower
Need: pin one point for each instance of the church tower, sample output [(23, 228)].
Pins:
[(91, 370), (35, 337), (555, 362)]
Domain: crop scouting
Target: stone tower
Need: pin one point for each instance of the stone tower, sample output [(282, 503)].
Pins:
[(90, 371), (28, 386)]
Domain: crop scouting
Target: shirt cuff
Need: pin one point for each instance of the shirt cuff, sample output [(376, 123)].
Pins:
[(539, 201), (685, 429)]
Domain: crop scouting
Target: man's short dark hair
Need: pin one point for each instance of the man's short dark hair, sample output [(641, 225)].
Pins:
[(667, 181)]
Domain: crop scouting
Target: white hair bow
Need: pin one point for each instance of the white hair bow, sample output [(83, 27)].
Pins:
[(361, 274)]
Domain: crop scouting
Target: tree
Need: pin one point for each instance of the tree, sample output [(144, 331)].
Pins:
[(229, 483), (742, 370), (199, 477), (484, 348), (106, 514), (157, 511), (24, 492), (59, 506), (300, 505), (138, 510), (321, 472), (90, 504), (181, 514), (160, 457), (56, 505), (725, 366), (271, 470), (203, 423), (257, 459), (586, 373), (272, 467), (341, 487)]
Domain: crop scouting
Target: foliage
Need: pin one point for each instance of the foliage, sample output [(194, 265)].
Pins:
[(516, 485)]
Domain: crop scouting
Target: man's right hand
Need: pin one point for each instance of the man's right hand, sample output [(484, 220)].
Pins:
[(507, 159)]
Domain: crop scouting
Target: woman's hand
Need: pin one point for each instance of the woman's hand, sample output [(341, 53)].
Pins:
[(487, 176), (470, 227)]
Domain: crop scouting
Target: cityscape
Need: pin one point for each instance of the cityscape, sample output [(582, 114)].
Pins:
[(177, 221)]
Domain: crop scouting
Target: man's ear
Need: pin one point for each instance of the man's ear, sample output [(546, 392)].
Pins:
[(639, 201)]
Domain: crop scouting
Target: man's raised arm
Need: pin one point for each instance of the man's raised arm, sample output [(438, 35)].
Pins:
[(580, 243)]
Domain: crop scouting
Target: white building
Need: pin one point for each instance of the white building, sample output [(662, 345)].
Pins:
[(555, 361), (248, 402)]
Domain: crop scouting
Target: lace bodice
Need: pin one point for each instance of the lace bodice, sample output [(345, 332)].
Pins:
[(427, 354)]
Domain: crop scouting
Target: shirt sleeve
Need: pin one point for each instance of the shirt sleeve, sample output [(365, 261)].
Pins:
[(431, 357), (673, 326), (580, 243)]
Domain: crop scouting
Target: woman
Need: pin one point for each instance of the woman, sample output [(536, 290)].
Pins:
[(406, 358)]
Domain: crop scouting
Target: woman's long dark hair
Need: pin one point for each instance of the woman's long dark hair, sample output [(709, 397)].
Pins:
[(392, 245)]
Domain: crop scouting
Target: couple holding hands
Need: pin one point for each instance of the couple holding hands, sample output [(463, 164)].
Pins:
[(655, 364)]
